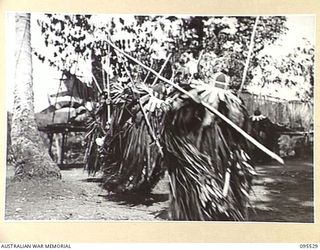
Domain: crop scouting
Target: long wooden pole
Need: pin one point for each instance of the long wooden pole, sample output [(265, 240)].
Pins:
[(103, 75), (211, 109), (161, 70), (97, 84), (146, 78), (198, 61), (244, 75), (152, 133), (108, 88)]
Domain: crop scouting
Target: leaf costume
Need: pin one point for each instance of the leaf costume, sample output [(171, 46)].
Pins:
[(210, 171)]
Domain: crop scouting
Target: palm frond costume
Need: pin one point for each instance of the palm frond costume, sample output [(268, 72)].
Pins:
[(132, 159), (210, 172)]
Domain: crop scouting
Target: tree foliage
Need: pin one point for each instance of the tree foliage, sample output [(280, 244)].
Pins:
[(74, 41), (292, 73)]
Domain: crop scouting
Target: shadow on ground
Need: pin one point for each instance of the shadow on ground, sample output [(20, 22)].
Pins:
[(283, 193), (137, 199), (280, 194)]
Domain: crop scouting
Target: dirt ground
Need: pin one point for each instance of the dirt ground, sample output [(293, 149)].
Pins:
[(280, 194)]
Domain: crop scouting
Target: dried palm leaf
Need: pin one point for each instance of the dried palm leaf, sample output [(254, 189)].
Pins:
[(134, 161), (210, 172)]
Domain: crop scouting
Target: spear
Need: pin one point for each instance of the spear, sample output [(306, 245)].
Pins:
[(211, 109)]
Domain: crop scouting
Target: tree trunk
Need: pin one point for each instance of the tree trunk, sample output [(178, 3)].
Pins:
[(32, 158)]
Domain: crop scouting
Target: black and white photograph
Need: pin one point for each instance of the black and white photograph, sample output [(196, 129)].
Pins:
[(123, 117)]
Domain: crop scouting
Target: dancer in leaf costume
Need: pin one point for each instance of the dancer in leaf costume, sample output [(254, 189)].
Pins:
[(267, 133), (209, 170), (133, 158)]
